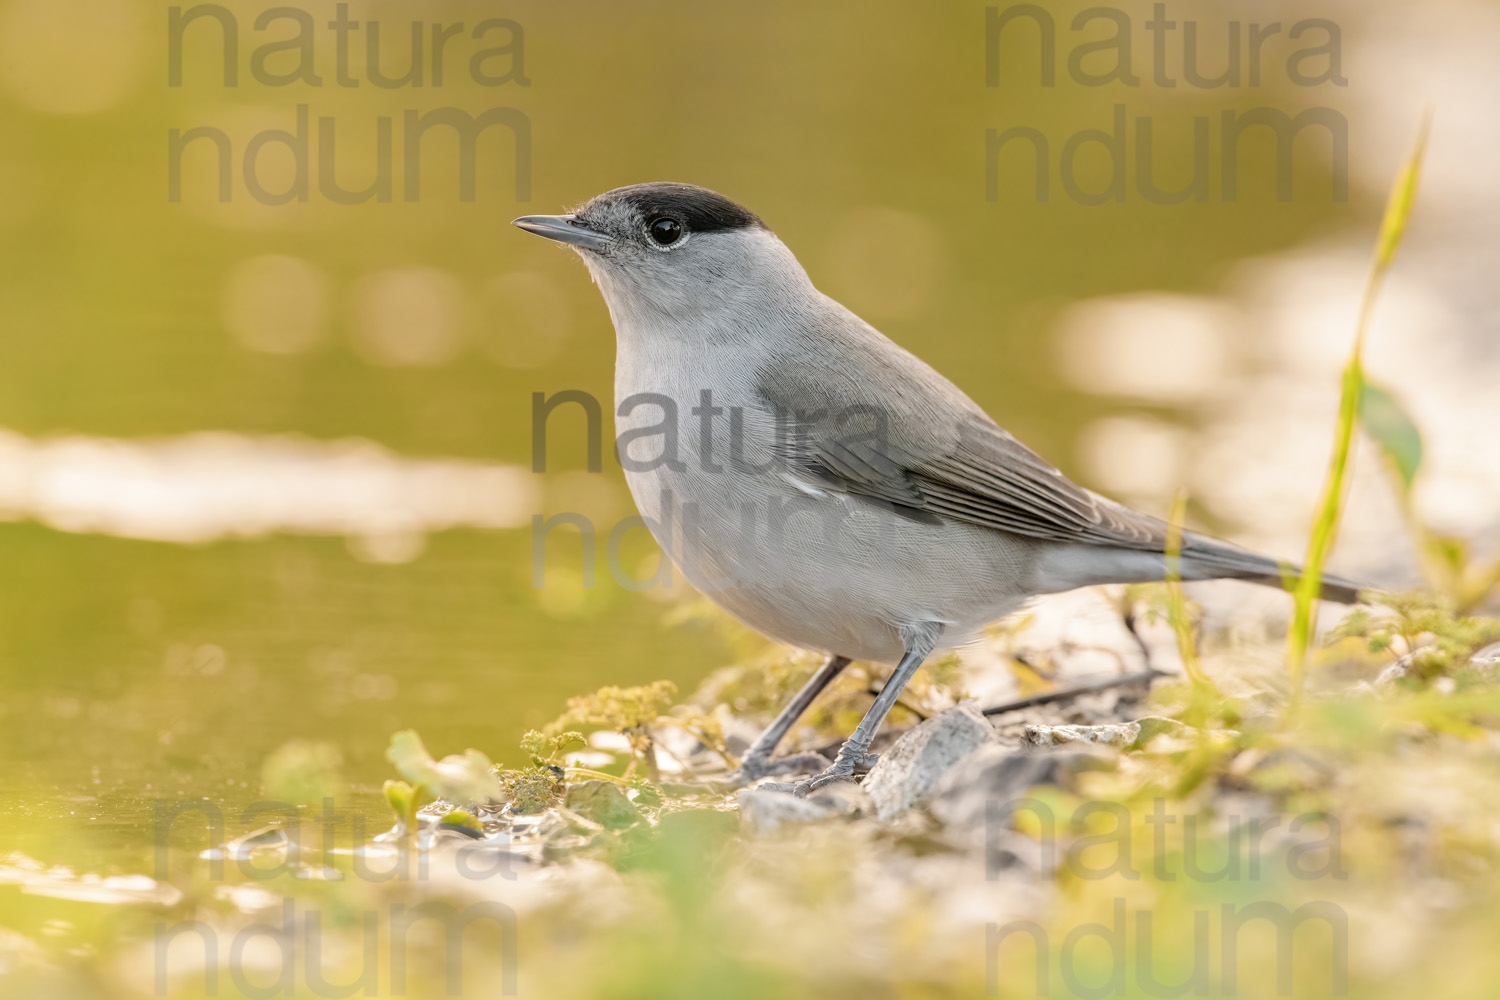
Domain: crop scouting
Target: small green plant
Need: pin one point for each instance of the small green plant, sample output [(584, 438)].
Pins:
[(403, 799), (1425, 626), (460, 778), (1325, 526), (1176, 606), (544, 749), (530, 790), (629, 711), (542, 783)]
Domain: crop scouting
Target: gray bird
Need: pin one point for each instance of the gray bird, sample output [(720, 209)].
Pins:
[(819, 482)]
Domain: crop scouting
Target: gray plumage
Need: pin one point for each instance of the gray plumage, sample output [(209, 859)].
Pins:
[(815, 479)]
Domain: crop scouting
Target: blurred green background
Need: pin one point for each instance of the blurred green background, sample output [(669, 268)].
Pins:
[(133, 668)]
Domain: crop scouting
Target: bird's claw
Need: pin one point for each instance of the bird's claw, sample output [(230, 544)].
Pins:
[(753, 768), (843, 770), (832, 776)]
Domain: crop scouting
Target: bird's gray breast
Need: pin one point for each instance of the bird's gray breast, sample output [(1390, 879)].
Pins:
[(697, 447), (707, 459)]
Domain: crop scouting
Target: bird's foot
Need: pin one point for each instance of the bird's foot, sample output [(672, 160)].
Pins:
[(846, 769), (755, 767), (833, 776)]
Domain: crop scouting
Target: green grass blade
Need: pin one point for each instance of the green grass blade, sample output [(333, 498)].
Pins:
[(1177, 614)]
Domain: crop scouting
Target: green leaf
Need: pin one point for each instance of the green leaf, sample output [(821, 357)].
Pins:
[(1387, 421), (399, 795), (462, 818)]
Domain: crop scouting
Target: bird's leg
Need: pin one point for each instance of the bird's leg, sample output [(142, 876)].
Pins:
[(919, 641), (757, 762)]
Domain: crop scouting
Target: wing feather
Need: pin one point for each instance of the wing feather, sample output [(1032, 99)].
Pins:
[(983, 476)]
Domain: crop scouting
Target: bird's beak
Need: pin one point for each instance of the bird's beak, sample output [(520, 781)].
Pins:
[(564, 229)]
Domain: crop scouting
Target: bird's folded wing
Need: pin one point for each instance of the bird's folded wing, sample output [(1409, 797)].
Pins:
[(979, 474), (992, 479)]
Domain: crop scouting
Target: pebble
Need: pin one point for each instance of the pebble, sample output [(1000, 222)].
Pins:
[(908, 773)]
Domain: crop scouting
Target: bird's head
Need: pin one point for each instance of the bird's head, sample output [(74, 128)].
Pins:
[(672, 249)]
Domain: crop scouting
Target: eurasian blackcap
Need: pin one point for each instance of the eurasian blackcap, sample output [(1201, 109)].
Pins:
[(819, 482)]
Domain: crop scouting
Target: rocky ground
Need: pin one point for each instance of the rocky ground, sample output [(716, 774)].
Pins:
[(1060, 812)]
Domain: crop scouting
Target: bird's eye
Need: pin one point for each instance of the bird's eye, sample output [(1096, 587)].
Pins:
[(664, 232)]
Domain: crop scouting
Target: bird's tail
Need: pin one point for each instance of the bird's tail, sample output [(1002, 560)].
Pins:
[(1206, 558)]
